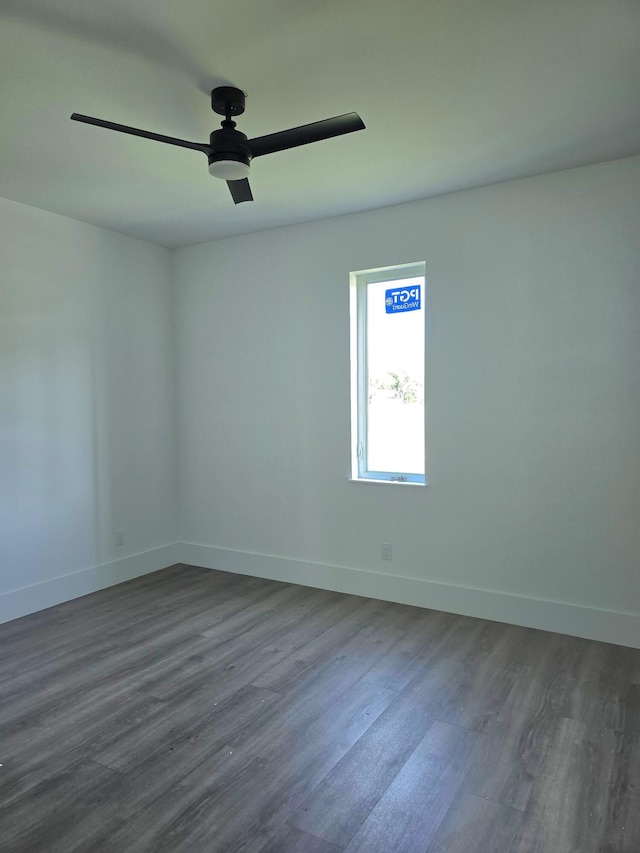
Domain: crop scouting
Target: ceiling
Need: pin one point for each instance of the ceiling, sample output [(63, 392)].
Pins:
[(454, 94)]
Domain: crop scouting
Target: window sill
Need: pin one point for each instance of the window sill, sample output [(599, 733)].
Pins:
[(387, 482)]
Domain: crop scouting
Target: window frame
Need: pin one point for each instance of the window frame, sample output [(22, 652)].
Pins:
[(358, 284)]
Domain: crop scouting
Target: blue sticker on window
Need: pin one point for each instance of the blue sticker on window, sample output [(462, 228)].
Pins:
[(402, 299)]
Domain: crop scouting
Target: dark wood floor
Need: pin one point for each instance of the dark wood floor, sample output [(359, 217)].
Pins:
[(192, 710)]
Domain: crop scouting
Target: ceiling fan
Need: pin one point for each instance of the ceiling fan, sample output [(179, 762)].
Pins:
[(229, 151)]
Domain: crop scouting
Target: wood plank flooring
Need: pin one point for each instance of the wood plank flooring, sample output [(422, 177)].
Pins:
[(192, 710)]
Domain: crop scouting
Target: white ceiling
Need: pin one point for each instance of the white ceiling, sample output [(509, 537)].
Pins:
[(454, 93)]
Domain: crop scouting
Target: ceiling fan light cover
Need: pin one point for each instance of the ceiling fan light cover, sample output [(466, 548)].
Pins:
[(229, 170)]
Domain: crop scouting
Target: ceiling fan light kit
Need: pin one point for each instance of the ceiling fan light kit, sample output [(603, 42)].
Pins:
[(229, 152), (229, 169)]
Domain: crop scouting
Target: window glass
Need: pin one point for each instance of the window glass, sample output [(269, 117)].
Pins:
[(388, 379)]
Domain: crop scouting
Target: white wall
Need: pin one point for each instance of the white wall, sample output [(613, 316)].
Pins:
[(533, 406), (533, 403), (87, 408)]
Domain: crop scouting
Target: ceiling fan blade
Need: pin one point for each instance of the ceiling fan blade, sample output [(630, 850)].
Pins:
[(134, 131), (240, 190), (305, 134)]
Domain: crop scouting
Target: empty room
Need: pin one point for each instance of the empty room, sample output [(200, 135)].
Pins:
[(320, 426)]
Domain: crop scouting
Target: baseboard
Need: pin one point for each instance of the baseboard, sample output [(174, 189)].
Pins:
[(29, 599), (592, 623), (564, 618)]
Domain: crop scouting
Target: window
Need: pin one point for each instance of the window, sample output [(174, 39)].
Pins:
[(387, 374)]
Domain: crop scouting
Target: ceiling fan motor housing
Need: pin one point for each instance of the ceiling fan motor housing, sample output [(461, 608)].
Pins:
[(229, 144)]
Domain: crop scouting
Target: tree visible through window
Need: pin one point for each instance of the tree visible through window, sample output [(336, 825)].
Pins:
[(388, 374)]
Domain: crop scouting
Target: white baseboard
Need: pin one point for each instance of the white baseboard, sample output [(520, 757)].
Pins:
[(592, 623), (564, 618), (28, 599)]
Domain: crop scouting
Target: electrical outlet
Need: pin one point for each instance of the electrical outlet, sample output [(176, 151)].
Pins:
[(119, 537), (385, 551)]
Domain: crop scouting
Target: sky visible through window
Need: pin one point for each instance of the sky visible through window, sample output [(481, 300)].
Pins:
[(395, 359)]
